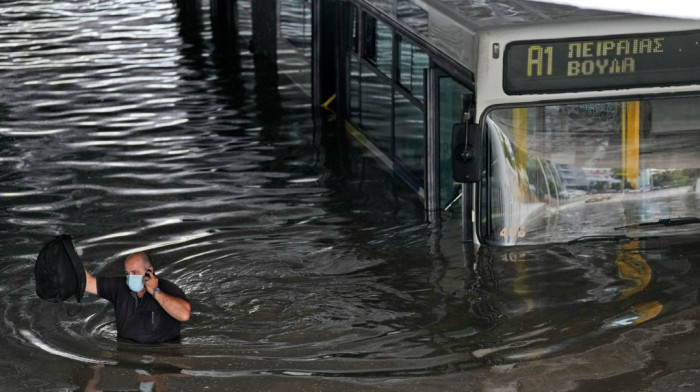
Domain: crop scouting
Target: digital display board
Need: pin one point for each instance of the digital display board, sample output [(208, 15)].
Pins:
[(583, 64)]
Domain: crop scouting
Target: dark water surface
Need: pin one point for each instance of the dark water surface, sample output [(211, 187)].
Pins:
[(308, 267)]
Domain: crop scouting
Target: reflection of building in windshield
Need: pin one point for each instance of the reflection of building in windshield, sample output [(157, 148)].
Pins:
[(570, 178), (579, 181), (600, 179)]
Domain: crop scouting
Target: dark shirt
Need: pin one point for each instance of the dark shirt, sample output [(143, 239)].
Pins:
[(140, 319)]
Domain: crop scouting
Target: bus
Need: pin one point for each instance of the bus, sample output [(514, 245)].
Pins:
[(549, 123)]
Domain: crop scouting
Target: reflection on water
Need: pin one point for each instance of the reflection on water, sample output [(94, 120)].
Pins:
[(307, 266)]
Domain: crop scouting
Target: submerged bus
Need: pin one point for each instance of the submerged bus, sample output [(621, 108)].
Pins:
[(553, 123)]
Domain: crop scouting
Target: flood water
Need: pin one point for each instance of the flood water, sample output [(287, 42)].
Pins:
[(308, 266)]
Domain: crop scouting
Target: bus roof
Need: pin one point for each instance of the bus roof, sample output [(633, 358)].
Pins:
[(453, 26), (493, 14), (476, 35)]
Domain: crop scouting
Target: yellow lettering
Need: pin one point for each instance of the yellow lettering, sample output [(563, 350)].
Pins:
[(574, 50), (645, 46), (573, 68), (594, 57), (549, 51), (534, 59), (627, 65), (602, 65), (658, 45), (607, 46), (623, 47), (615, 66)]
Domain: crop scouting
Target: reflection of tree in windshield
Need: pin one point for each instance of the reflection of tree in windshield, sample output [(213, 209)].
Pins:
[(600, 111), (596, 117), (676, 178)]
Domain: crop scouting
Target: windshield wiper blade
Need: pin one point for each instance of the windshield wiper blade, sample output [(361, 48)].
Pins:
[(608, 238), (591, 238), (663, 222)]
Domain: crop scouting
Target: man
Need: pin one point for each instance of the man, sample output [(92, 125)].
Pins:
[(148, 309)]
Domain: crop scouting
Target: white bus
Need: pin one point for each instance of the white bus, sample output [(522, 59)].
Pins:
[(580, 124)]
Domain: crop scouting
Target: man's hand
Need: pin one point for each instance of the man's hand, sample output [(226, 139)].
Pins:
[(178, 308), (150, 281)]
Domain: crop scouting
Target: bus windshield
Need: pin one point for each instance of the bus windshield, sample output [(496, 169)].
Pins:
[(557, 173)]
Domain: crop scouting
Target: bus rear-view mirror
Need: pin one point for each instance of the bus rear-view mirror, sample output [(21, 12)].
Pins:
[(466, 147)]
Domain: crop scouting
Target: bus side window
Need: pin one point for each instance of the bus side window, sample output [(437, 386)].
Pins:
[(412, 62), (378, 44), (355, 21), (370, 37)]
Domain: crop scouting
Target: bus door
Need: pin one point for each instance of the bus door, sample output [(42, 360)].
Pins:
[(449, 103)]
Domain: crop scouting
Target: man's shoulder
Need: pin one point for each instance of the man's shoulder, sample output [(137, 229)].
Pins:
[(110, 281), (171, 288), (108, 287), (166, 283)]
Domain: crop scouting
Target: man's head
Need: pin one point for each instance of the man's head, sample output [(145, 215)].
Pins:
[(136, 265)]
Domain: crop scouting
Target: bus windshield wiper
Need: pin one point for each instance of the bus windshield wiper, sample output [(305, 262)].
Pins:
[(608, 238), (592, 238), (663, 222)]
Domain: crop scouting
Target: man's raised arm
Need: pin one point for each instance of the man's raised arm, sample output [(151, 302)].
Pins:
[(90, 283)]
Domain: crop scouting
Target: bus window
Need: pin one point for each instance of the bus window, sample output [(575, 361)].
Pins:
[(378, 44), (412, 62), (674, 115), (561, 172), (354, 87), (375, 107), (354, 29), (409, 129), (409, 136)]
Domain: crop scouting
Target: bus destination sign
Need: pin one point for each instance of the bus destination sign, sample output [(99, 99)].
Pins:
[(602, 64)]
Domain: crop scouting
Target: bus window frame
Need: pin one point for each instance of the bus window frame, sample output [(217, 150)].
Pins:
[(436, 59), (483, 223), (391, 81)]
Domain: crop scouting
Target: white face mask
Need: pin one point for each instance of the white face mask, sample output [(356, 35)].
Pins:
[(135, 282)]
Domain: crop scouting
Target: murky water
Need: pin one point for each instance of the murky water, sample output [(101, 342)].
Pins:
[(307, 265)]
